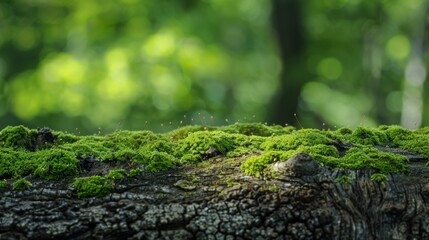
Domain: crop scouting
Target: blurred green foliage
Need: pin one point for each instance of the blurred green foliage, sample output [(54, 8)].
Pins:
[(358, 53), (134, 64), (128, 64)]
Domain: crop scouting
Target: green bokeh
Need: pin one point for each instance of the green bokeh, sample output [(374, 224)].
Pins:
[(91, 66)]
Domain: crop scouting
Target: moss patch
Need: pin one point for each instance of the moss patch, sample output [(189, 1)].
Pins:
[(21, 184), (117, 174), (191, 148), (415, 141), (369, 136), (378, 177), (95, 186), (18, 137), (256, 165), (3, 183), (53, 163), (345, 181), (129, 154), (257, 129), (136, 172), (358, 147)]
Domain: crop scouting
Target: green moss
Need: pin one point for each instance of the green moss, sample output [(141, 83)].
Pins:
[(8, 159), (257, 129), (342, 148), (54, 164), (190, 158), (378, 177), (280, 148), (370, 157), (21, 184), (240, 151), (116, 174), (423, 130), (47, 164), (273, 188), (364, 157), (344, 131), (135, 172), (143, 147), (126, 155), (415, 141), (63, 138), (3, 183), (160, 161), (319, 150), (345, 181), (369, 136), (304, 137), (199, 142), (95, 186), (183, 132), (17, 137), (230, 182), (160, 145), (245, 145), (129, 139), (84, 147), (257, 165), (20, 164)]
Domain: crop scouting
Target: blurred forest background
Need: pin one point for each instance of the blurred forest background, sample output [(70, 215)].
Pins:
[(91, 66)]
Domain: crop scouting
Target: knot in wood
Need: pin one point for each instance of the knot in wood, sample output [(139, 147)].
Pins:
[(302, 164)]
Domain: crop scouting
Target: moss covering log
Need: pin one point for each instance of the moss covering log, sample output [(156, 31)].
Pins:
[(22, 154), (259, 181)]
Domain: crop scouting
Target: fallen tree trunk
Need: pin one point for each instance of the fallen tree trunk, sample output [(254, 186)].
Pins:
[(169, 206), (244, 181)]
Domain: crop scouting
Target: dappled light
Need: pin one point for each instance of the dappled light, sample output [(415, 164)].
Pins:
[(330, 68), (214, 119), (146, 64), (398, 47), (345, 110)]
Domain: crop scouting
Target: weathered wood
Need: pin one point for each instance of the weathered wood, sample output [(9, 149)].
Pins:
[(154, 206)]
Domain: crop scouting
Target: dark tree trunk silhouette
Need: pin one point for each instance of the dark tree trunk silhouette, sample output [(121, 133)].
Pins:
[(288, 27)]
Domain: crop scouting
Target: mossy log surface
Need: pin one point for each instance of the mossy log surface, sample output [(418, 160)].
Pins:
[(244, 181)]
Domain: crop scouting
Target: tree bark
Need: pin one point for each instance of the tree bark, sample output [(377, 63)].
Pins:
[(192, 203)]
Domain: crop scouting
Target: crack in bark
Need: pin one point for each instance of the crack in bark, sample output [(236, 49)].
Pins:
[(151, 207)]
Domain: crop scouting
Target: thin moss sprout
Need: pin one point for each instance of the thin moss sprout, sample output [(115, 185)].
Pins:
[(345, 181)]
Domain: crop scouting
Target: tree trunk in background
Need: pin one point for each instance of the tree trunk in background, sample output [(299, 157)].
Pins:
[(413, 109), (373, 68), (288, 27), (425, 48)]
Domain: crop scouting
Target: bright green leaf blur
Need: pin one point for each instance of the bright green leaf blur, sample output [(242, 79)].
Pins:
[(330, 68), (398, 47), (135, 64), (86, 65)]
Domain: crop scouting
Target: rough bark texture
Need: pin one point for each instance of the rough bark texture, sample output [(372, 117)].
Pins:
[(195, 202)]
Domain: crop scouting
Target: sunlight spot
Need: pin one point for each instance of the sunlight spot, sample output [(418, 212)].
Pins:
[(160, 45), (330, 68), (63, 68), (398, 47)]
